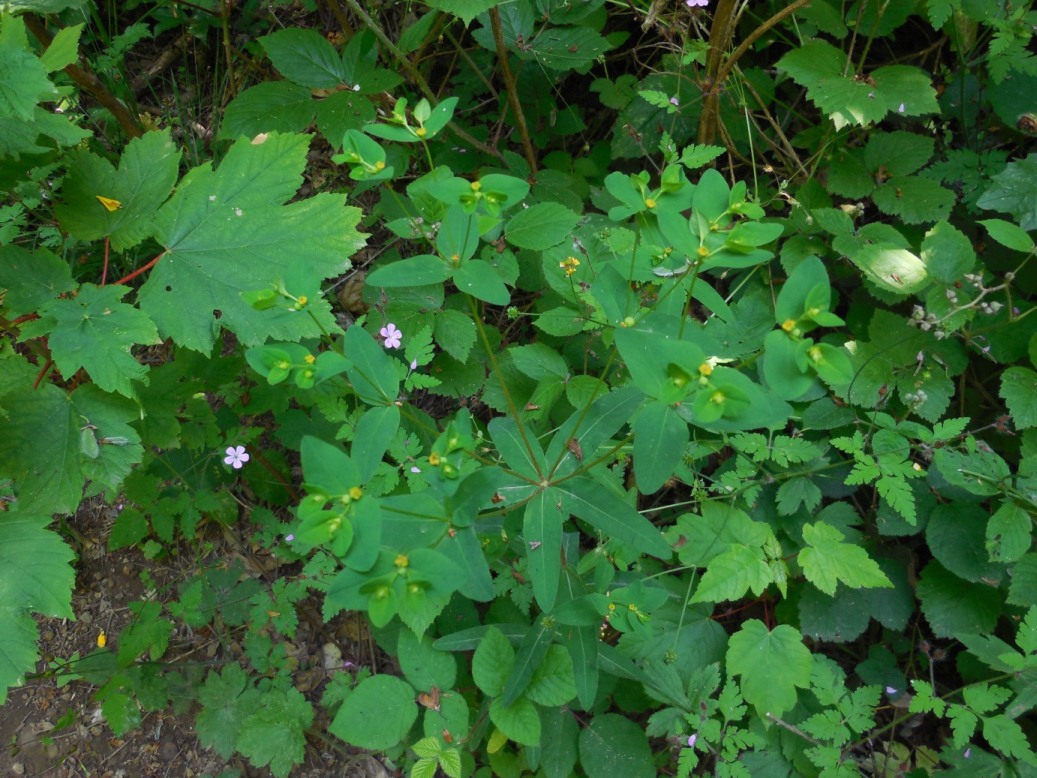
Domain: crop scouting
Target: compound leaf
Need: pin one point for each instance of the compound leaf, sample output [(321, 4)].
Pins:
[(828, 559)]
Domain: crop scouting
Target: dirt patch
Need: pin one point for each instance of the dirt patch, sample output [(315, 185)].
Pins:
[(53, 727)]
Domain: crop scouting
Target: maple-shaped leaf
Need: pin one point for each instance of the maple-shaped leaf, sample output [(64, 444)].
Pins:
[(828, 559), (35, 577), (229, 231), (95, 331), (120, 204)]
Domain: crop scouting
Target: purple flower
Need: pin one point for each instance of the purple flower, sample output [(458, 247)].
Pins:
[(901, 108), (414, 364), (393, 337), (692, 738), (236, 457), (289, 537), (696, 3), (674, 101)]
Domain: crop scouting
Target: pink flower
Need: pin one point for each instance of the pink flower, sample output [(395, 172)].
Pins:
[(236, 457), (393, 337), (696, 3), (674, 101)]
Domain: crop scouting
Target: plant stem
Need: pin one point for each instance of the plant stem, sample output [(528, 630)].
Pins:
[(509, 83), (418, 79), (716, 74), (86, 80)]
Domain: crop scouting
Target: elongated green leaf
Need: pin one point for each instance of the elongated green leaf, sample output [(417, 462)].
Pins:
[(374, 430), (328, 467), (466, 551), (420, 270), (480, 280), (542, 533), (528, 657), (614, 518), (660, 436), (520, 449), (373, 375)]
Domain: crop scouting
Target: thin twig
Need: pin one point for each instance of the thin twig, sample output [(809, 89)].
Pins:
[(708, 122), (509, 83), (89, 82)]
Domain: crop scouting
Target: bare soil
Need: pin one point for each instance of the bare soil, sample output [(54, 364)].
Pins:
[(51, 729)]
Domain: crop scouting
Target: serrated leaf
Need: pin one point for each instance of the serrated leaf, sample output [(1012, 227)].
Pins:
[(839, 619), (273, 106), (23, 80), (698, 155), (567, 48), (540, 226), (377, 713), (35, 577), (1008, 533), (465, 9), (731, 574), (95, 331), (1014, 191), (796, 492), (492, 662), (305, 57), (947, 253), (914, 199), (613, 745), (553, 683), (63, 50), (1008, 234), (828, 559), (1008, 737), (146, 174), (226, 700), (228, 231), (952, 606), (32, 278), (772, 664), (275, 734), (1019, 390)]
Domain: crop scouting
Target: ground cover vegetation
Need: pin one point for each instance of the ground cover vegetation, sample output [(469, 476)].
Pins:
[(658, 378)]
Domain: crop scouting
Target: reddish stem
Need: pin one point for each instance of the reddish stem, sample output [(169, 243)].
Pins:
[(104, 271), (46, 367), (140, 270)]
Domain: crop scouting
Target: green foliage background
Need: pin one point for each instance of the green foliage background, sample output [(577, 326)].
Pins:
[(660, 382)]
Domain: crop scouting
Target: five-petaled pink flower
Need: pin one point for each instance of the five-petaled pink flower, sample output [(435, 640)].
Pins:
[(393, 337), (236, 457)]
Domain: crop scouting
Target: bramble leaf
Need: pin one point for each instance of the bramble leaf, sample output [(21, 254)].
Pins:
[(828, 559), (95, 331), (772, 665)]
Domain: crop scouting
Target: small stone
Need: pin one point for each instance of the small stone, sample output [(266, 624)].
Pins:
[(17, 769), (168, 750), (332, 656)]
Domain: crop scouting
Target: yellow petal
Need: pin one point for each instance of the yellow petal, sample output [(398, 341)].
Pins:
[(109, 204), (102, 639)]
